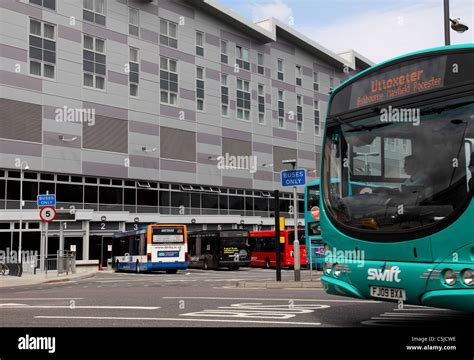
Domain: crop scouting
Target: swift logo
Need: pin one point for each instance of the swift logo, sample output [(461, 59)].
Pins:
[(389, 274)]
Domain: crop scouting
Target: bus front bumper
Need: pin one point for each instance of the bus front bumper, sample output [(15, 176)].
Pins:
[(337, 287), (456, 299)]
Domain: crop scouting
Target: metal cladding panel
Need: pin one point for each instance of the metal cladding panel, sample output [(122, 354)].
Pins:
[(20, 120), (177, 144), (108, 134)]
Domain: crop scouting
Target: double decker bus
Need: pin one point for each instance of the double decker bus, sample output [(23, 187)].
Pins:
[(152, 247), (262, 247), (314, 241), (397, 181), (214, 249)]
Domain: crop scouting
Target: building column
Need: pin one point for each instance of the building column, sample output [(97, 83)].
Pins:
[(85, 240)]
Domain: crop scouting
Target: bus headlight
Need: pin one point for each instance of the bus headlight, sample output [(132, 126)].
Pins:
[(450, 277), (336, 270), (468, 277), (328, 268)]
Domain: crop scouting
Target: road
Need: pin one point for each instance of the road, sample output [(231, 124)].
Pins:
[(198, 298)]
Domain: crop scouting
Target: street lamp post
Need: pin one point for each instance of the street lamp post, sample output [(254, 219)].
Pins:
[(23, 166), (455, 24)]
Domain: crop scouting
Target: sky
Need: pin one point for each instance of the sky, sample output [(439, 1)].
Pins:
[(378, 29)]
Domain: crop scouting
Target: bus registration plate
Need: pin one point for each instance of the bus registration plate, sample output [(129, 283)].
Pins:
[(387, 293)]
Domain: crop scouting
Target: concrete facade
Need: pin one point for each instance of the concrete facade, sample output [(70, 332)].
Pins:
[(135, 159)]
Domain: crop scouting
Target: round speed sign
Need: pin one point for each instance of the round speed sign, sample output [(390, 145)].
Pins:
[(47, 214)]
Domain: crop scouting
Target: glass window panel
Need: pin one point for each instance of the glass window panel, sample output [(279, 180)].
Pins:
[(99, 45), (49, 71), (88, 43), (35, 27), (99, 82), (35, 68), (48, 31), (89, 4), (172, 29), (100, 6)]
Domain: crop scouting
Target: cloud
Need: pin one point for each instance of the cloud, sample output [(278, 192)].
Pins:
[(277, 9), (382, 35)]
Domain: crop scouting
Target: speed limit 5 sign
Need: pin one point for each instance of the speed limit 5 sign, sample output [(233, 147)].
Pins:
[(48, 213)]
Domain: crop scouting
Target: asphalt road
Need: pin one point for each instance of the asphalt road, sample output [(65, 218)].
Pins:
[(197, 298)]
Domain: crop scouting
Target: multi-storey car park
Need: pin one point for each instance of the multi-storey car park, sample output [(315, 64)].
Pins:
[(123, 109)]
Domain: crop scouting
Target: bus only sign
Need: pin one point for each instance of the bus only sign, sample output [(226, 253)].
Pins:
[(293, 177)]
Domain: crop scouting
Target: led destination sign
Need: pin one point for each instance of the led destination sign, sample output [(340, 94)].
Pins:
[(407, 78)]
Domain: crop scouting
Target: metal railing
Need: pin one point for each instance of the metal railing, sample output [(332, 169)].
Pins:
[(62, 262)]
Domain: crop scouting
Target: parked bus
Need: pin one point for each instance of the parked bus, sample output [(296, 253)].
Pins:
[(313, 236), (219, 248), (405, 129), (152, 247), (262, 246)]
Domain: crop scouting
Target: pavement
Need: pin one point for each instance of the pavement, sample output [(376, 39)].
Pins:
[(199, 298), (42, 278)]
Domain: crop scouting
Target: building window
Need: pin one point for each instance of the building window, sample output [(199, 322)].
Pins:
[(168, 33), (200, 88), (134, 72), (280, 70), (299, 112), (94, 11), (133, 22), (315, 81), (242, 57), (168, 81), (225, 95), (94, 62), (316, 118), (42, 54), (224, 54), (50, 4), (260, 62), (281, 109), (299, 76), (331, 83), (243, 100), (261, 103), (199, 43)]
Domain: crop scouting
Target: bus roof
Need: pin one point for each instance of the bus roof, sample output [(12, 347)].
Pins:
[(372, 68), (139, 231)]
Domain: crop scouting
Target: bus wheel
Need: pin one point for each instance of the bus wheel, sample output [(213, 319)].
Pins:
[(137, 268), (171, 271), (267, 263), (205, 266)]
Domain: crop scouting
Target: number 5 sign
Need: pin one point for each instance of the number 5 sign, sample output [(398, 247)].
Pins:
[(47, 214)]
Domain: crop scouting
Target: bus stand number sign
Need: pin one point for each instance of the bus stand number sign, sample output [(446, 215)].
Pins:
[(47, 214)]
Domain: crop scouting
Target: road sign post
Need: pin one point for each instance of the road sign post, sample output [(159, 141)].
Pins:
[(295, 177)]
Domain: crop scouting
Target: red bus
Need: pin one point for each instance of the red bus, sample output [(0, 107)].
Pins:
[(262, 247)]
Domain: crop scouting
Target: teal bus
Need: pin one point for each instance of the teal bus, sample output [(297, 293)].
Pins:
[(314, 241), (397, 182)]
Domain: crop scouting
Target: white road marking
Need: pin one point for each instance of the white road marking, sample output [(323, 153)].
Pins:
[(40, 299), (26, 306), (180, 319), (263, 299), (259, 311)]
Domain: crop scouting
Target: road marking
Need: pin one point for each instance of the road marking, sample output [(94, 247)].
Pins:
[(259, 311), (180, 319), (23, 306), (263, 299), (40, 299)]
